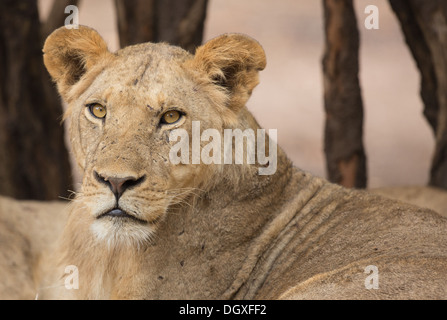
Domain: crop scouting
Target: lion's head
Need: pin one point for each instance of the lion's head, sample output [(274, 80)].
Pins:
[(122, 109)]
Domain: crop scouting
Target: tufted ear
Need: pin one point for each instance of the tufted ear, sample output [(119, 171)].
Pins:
[(70, 53), (232, 62)]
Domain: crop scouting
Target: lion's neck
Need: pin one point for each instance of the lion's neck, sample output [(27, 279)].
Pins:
[(204, 250)]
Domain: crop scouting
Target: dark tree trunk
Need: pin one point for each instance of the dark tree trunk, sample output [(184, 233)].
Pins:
[(178, 22), (34, 163), (57, 17), (424, 24), (345, 155)]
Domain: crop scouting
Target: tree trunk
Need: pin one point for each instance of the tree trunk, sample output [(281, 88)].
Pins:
[(57, 17), (178, 22), (345, 155), (424, 25), (34, 163)]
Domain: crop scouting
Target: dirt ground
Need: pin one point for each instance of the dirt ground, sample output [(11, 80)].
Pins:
[(399, 143)]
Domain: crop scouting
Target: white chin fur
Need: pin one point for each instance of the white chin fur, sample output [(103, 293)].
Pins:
[(116, 233)]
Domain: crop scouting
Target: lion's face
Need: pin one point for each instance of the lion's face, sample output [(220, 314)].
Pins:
[(123, 109), (129, 180)]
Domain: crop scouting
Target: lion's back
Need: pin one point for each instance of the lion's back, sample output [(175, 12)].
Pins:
[(27, 230), (345, 236)]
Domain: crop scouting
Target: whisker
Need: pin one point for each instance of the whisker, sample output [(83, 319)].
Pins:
[(181, 191), (46, 288), (72, 195)]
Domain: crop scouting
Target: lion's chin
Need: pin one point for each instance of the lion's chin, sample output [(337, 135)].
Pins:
[(119, 232)]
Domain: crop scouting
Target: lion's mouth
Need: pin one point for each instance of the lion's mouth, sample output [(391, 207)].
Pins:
[(118, 213)]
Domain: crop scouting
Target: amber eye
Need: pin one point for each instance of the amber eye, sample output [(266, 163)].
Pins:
[(171, 117), (98, 110)]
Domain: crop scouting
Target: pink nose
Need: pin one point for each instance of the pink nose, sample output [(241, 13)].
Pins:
[(119, 185)]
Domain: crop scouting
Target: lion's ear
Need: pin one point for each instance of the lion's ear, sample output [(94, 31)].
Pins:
[(70, 53), (232, 61)]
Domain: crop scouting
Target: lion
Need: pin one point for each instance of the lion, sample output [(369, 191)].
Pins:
[(145, 227), (422, 196), (28, 229)]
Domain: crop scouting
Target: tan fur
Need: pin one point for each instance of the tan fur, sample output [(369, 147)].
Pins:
[(421, 196), (28, 229), (214, 231)]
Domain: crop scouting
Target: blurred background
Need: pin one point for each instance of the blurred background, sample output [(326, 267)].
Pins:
[(398, 141)]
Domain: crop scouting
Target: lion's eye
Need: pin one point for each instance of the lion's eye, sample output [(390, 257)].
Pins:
[(171, 117), (98, 110)]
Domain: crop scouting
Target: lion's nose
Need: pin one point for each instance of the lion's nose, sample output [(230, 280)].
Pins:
[(117, 184)]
